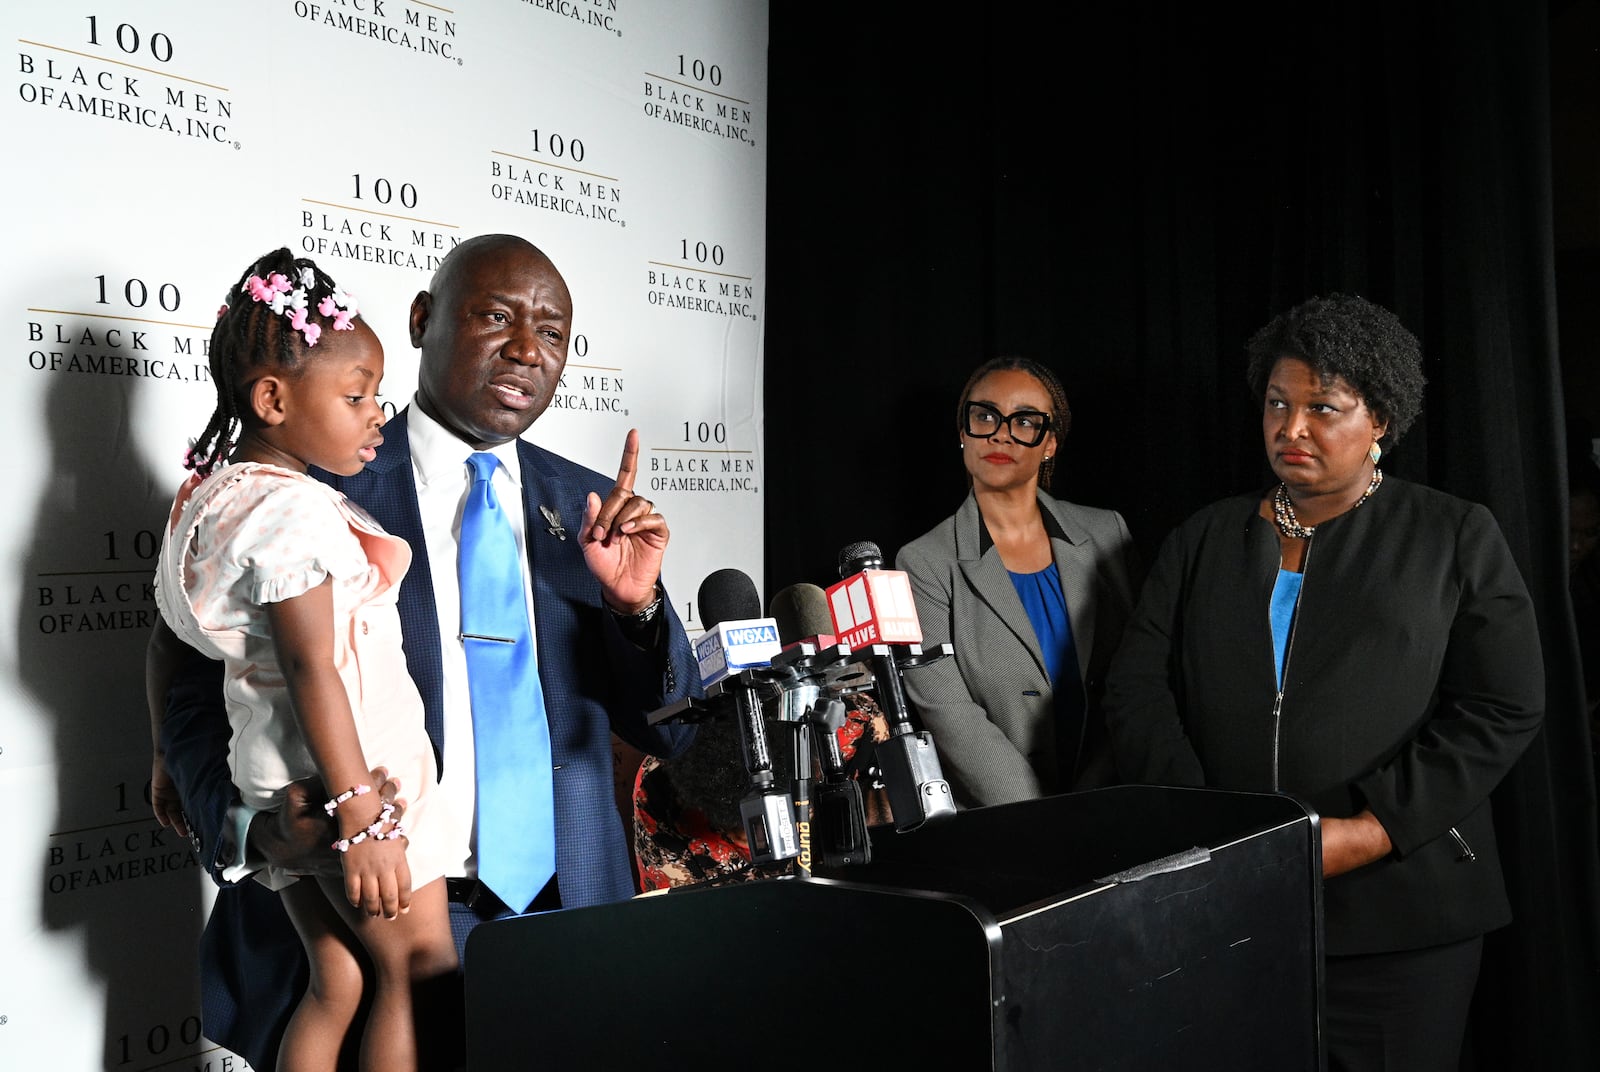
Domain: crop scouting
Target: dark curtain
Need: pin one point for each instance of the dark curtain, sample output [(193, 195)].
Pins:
[(1127, 196)]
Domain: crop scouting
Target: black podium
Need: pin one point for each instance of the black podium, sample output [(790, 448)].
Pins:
[(1127, 928)]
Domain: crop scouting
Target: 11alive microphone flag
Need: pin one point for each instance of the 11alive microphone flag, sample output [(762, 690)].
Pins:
[(729, 647), (874, 606)]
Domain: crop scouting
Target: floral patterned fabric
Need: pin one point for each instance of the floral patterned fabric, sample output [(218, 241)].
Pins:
[(679, 840)]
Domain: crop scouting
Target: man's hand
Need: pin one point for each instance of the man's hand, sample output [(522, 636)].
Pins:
[(624, 538), (164, 799), (299, 836)]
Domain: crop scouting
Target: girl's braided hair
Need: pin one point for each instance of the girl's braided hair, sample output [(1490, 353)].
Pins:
[(272, 315)]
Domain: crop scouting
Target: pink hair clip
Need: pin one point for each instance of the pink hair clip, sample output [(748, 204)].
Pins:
[(299, 323), (342, 307), (275, 291), (267, 290)]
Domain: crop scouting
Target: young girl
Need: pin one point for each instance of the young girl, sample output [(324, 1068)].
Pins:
[(294, 588)]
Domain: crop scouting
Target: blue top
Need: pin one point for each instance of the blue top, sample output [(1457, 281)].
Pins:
[(1285, 594), (1046, 605), (1047, 610)]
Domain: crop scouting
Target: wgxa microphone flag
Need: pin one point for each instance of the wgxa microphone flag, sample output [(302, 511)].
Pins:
[(729, 647)]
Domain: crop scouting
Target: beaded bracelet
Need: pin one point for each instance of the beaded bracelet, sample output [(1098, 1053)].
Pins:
[(376, 831), (354, 791)]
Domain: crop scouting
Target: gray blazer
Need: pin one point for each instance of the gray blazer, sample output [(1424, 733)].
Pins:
[(990, 708)]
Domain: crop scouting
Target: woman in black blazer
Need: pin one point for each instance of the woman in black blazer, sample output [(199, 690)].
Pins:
[(1030, 590), (1365, 644)]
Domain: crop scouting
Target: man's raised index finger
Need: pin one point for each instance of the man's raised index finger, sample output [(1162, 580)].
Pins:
[(630, 462)]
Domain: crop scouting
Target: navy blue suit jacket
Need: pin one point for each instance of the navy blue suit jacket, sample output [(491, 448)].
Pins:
[(595, 681)]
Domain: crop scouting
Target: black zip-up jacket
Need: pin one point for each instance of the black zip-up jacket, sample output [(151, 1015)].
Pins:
[(1413, 681)]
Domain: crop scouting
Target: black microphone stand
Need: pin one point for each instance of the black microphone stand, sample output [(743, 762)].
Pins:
[(767, 811), (918, 791)]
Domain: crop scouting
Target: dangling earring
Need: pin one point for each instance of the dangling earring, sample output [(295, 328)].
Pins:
[(1375, 452)]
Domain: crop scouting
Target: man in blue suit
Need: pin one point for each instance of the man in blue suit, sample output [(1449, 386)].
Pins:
[(493, 331)]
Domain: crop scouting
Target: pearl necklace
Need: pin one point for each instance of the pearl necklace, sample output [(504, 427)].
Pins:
[(1289, 525)]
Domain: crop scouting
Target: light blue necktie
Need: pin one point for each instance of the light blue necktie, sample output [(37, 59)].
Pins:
[(516, 846)]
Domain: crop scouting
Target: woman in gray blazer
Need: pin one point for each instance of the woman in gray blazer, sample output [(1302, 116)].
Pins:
[(1032, 592)]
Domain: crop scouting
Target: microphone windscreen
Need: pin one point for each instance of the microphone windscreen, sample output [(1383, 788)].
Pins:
[(863, 554), (801, 611), (728, 595)]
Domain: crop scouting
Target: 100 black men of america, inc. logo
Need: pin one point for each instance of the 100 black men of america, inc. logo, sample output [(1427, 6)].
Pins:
[(424, 33), (94, 859), (550, 171), (126, 74), (702, 462), (691, 96), (375, 219), (120, 325)]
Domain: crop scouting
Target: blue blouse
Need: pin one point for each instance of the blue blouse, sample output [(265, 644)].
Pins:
[(1046, 605), (1052, 625), (1285, 594)]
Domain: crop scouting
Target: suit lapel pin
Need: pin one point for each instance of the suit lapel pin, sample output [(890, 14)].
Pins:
[(554, 517)]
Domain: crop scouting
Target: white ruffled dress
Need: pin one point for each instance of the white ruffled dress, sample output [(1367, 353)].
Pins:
[(250, 535)]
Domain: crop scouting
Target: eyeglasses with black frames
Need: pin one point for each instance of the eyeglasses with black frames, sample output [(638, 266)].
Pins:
[(1028, 426)]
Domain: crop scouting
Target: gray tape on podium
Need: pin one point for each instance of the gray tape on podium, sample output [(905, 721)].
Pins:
[(1167, 864)]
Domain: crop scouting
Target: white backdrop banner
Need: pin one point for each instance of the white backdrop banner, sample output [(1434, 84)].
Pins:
[(156, 147)]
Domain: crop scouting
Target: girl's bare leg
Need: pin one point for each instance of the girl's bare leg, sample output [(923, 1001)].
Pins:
[(328, 1008), (414, 949)]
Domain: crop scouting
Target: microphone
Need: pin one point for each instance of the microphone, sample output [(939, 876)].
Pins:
[(801, 613), (810, 652), (736, 636), (811, 659), (838, 812), (873, 610), (737, 639)]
